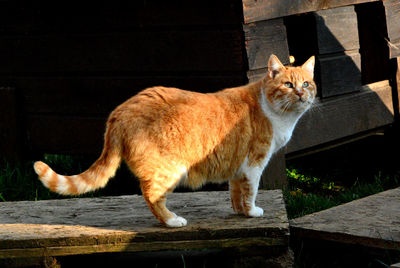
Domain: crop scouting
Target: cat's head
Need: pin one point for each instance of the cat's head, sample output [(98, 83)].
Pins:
[(290, 89)]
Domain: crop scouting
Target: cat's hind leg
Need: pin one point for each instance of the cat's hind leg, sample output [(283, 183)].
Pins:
[(156, 183), (236, 196)]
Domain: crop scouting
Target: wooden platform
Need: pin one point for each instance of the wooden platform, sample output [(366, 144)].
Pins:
[(125, 224), (373, 222)]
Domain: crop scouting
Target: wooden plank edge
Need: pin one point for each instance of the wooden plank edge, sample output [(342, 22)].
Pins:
[(241, 243), (303, 233), (262, 10), (381, 89)]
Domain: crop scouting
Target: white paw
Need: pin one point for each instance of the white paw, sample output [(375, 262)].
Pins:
[(176, 221), (255, 212)]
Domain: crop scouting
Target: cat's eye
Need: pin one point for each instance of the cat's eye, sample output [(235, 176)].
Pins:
[(306, 84), (289, 85)]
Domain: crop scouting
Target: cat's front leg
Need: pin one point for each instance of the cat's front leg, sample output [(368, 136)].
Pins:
[(249, 188)]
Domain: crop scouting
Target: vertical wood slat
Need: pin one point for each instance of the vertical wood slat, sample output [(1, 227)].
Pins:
[(274, 175), (392, 11), (338, 44)]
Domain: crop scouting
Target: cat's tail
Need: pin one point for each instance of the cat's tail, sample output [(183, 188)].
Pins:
[(94, 178)]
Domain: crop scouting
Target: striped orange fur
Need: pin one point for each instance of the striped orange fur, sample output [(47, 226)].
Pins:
[(169, 136)]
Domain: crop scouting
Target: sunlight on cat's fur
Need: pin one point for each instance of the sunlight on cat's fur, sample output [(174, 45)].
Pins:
[(169, 136)]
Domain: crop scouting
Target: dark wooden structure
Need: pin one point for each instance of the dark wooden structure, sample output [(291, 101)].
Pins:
[(65, 68)]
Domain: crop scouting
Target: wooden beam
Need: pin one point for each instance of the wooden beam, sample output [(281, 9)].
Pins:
[(264, 38), (339, 74), (257, 10), (392, 9), (338, 117), (274, 176), (337, 30)]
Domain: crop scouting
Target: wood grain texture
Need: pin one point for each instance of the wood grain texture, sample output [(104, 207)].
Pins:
[(111, 224), (372, 221), (392, 10), (257, 10), (337, 30), (339, 74), (338, 117), (264, 38)]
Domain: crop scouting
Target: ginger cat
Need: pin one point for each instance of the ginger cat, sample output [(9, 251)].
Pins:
[(169, 136)]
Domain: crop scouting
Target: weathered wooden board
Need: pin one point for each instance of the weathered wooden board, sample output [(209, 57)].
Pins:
[(274, 175), (339, 74), (257, 10), (337, 30), (373, 221), (141, 52), (264, 38), (392, 10), (338, 117), (113, 224), (374, 48)]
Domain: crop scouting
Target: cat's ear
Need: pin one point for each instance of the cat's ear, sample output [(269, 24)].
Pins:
[(308, 66), (274, 66)]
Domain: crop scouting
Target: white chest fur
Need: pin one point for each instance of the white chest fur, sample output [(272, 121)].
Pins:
[(282, 124)]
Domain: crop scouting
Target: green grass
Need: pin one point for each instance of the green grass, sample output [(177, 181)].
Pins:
[(308, 194)]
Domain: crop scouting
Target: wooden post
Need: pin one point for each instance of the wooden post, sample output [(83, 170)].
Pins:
[(10, 134), (274, 176)]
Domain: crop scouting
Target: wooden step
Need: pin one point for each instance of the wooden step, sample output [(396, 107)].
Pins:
[(373, 221), (124, 224)]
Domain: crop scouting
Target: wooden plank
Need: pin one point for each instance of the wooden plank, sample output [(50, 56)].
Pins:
[(65, 134), (392, 9), (141, 52), (94, 95), (338, 117), (110, 16), (274, 176), (257, 10), (10, 125), (337, 30), (374, 48), (339, 74), (124, 223), (371, 222), (264, 38)]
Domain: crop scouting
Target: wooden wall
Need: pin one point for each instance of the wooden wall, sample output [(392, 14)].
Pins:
[(70, 65), (350, 39)]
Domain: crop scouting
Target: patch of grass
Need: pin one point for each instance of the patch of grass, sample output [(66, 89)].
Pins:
[(308, 194)]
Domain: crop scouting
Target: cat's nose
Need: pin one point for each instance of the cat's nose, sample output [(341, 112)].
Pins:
[(299, 93)]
